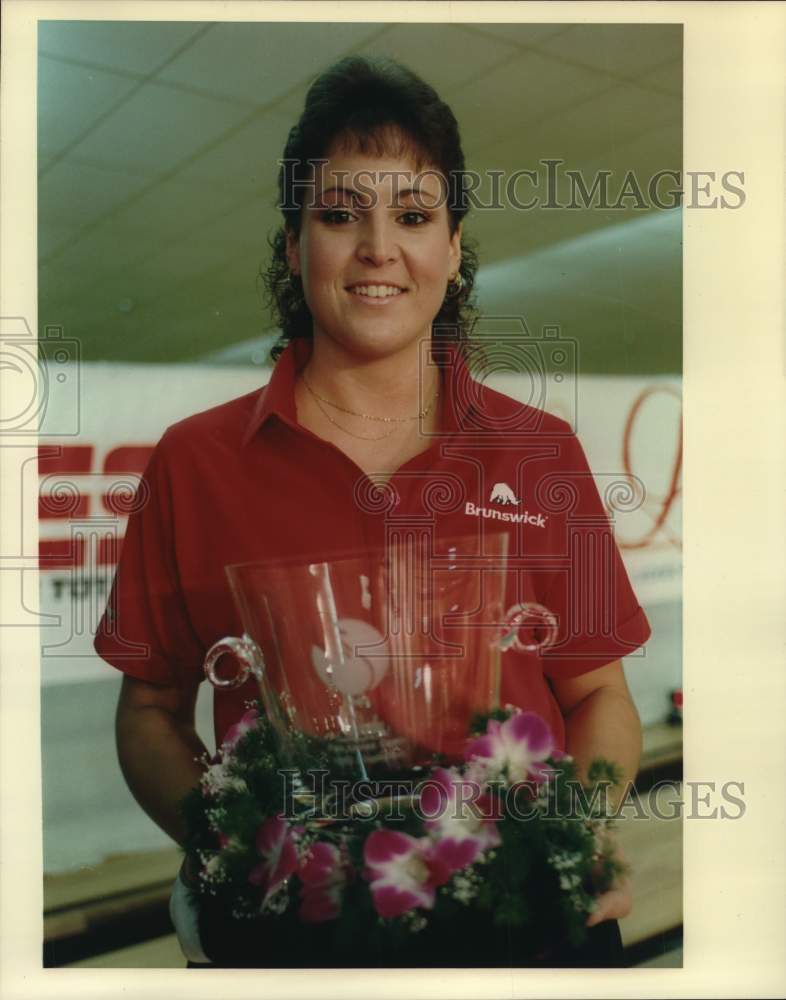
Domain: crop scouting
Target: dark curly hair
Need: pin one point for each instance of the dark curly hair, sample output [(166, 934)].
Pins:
[(374, 106)]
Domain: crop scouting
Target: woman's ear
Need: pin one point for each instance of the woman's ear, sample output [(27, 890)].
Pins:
[(454, 251), (293, 251)]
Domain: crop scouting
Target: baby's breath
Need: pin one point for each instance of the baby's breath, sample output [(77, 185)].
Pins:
[(212, 873), (465, 885), (415, 921), (216, 817), (278, 900), (562, 860)]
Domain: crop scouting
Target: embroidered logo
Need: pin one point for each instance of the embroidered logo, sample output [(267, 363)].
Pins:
[(538, 520), (504, 496), (502, 493)]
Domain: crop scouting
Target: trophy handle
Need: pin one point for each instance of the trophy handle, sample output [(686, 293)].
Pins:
[(541, 623), (246, 654)]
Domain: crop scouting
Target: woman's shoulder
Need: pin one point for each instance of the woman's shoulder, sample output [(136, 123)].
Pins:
[(516, 415), (225, 422)]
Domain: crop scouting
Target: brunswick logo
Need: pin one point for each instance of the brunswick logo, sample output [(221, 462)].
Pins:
[(502, 494)]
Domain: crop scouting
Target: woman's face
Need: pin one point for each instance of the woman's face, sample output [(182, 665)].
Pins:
[(375, 253)]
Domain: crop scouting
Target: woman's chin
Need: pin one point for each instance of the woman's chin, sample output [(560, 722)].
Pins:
[(374, 344)]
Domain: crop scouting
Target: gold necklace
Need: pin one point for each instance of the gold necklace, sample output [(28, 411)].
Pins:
[(368, 416), (363, 437), (360, 437)]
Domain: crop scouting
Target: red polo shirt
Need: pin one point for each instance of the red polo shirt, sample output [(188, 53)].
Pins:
[(244, 481)]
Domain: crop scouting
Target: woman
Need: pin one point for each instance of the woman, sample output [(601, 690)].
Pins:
[(371, 279)]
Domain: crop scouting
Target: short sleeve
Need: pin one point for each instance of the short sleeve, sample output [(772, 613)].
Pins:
[(145, 630), (587, 588)]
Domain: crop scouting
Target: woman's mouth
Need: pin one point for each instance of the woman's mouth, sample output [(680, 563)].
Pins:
[(376, 294)]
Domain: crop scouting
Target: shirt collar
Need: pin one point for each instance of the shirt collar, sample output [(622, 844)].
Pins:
[(278, 396)]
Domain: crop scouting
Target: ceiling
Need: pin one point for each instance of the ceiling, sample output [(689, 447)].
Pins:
[(158, 149)]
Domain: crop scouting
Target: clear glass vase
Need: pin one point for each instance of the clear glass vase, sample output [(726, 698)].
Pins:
[(383, 656)]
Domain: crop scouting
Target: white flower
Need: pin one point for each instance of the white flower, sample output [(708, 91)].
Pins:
[(218, 779), (212, 869)]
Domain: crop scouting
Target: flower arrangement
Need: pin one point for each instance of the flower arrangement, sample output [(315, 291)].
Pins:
[(508, 841)]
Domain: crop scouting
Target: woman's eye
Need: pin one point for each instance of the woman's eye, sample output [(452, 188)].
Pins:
[(414, 218), (337, 215), (340, 216)]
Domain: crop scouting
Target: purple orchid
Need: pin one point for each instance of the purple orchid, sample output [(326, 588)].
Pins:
[(276, 845), (324, 871), (403, 871), (518, 746), (237, 731), (459, 817)]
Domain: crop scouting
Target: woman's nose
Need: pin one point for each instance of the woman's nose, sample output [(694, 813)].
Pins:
[(377, 244)]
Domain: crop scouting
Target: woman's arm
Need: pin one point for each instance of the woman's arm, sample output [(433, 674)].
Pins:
[(601, 721), (158, 749)]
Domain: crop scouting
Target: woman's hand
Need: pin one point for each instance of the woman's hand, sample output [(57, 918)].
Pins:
[(612, 905), (616, 902), (601, 721)]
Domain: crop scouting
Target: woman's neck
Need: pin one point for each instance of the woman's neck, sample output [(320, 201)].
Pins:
[(376, 412), (396, 387)]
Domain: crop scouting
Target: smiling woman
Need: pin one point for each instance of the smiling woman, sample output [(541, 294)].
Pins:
[(370, 111), (375, 271), (373, 250), (370, 258), (370, 427)]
